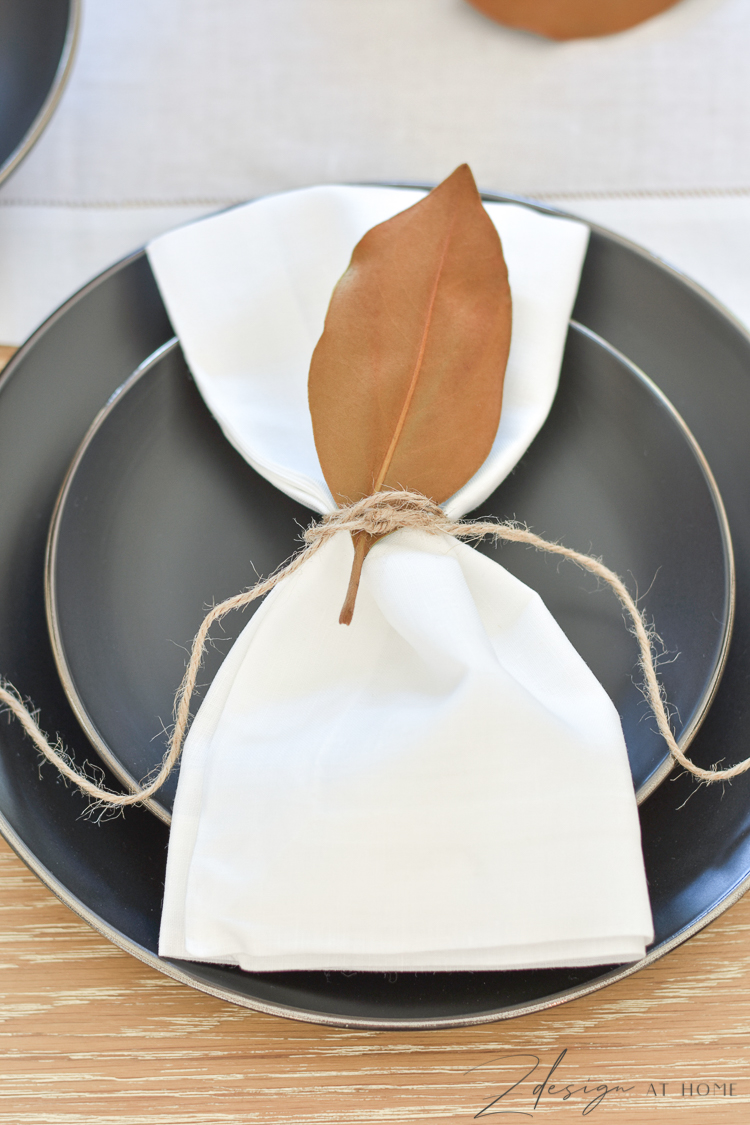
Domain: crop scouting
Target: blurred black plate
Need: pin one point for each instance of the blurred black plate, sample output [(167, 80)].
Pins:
[(160, 517), (697, 854), (37, 44)]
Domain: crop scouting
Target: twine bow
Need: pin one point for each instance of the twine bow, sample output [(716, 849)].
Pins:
[(379, 515)]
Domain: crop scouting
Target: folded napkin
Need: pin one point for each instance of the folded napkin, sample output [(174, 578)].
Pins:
[(443, 784)]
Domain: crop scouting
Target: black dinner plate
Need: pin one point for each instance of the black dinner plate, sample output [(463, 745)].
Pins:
[(37, 43), (697, 853), (160, 517)]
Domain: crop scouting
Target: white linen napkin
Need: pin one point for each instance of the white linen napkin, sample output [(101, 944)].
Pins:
[(444, 783)]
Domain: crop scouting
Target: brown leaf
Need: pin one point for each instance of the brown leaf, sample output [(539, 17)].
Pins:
[(406, 381)]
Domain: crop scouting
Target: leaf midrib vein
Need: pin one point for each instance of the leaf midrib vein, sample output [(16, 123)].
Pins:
[(417, 366)]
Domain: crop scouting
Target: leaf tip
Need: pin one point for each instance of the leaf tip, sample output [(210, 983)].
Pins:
[(465, 174)]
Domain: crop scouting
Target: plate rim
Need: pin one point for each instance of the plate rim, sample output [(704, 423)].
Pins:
[(118, 938), (51, 101), (153, 804)]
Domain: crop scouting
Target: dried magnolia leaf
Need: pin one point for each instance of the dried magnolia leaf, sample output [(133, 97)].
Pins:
[(406, 381), (571, 19)]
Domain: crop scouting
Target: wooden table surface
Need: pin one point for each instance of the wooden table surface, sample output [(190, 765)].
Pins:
[(88, 1034)]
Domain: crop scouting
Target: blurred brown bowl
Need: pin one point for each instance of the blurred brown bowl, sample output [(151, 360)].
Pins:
[(571, 19)]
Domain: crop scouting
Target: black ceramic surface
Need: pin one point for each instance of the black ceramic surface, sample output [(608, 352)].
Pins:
[(161, 517), (37, 39), (697, 854)]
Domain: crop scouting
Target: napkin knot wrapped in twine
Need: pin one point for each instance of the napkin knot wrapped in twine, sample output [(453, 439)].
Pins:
[(377, 515)]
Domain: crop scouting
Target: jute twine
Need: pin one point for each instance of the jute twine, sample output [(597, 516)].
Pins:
[(379, 515)]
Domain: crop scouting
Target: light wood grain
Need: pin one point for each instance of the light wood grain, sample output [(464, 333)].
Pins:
[(90, 1036), (6, 351)]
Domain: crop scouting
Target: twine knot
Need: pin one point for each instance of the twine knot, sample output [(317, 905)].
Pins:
[(382, 513)]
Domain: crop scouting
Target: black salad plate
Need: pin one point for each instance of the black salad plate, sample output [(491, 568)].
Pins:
[(37, 44), (160, 517), (697, 853)]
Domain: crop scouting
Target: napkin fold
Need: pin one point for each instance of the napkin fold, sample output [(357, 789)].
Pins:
[(443, 784)]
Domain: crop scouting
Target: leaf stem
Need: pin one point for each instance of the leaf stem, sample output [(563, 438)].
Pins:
[(362, 544)]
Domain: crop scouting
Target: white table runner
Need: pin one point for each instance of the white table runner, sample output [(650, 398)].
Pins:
[(176, 109)]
